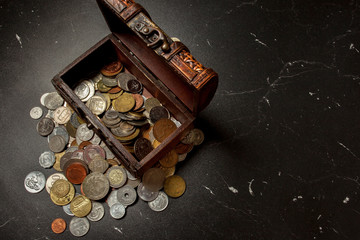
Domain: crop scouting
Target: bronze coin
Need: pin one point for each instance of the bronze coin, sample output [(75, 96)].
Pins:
[(174, 186), (163, 128), (182, 148), (75, 173), (139, 101), (153, 179), (142, 148), (112, 69), (170, 159), (84, 144), (58, 225), (157, 113), (134, 86), (115, 90)]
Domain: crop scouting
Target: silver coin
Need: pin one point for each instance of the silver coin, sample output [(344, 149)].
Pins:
[(108, 153), (71, 149), (182, 157), (53, 100), (82, 90), (36, 112), (112, 198), (34, 182), (96, 139), (78, 154), (97, 212), (67, 210), (111, 115), (160, 203), (133, 183), (126, 195), (129, 175), (145, 194), (60, 130), (96, 104), (57, 143), (98, 165), (51, 179), (79, 226), (97, 79), (50, 114), (42, 99), (177, 123), (91, 86), (45, 126), (84, 133), (47, 159), (117, 210), (74, 120), (109, 82)]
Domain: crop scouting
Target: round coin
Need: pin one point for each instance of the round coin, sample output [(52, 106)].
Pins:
[(79, 226), (75, 171), (52, 179), (84, 133), (157, 113), (62, 115), (198, 136), (117, 176), (53, 100), (163, 128), (42, 99), (45, 126), (91, 151), (159, 203), (109, 82), (97, 212), (47, 159), (57, 144), (174, 186), (170, 159), (96, 104), (139, 101), (95, 186), (82, 90), (112, 69), (36, 113), (168, 171), (142, 148), (98, 165), (145, 194), (134, 86), (58, 189), (67, 210), (60, 130), (123, 78), (150, 103), (112, 198), (34, 182), (117, 210), (153, 179), (80, 206), (124, 103), (182, 148), (126, 195), (58, 225)]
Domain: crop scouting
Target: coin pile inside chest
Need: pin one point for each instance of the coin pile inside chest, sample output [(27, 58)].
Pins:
[(80, 157)]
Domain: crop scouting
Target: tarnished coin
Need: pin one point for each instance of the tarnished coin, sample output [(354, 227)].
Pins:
[(57, 144), (111, 115), (84, 133), (146, 194), (67, 210), (139, 101), (117, 210), (64, 159), (102, 87), (62, 115), (98, 165), (52, 179), (60, 130), (75, 171), (34, 182), (47, 159), (56, 165), (159, 203), (80, 206), (142, 148), (128, 138), (123, 79), (53, 100), (150, 103), (109, 82), (134, 86), (199, 136), (59, 188), (112, 69), (78, 154), (153, 179), (58, 225), (45, 126), (95, 186), (157, 113), (97, 212), (168, 171), (124, 103), (117, 176), (123, 130), (112, 198), (36, 112), (79, 226), (96, 104), (74, 120), (91, 151), (163, 128), (174, 186), (91, 86), (126, 195), (170, 159)]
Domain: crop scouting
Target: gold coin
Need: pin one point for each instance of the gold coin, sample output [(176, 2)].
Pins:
[(108, 100), (156, 143), (101, 86), (56, 165), (170, 159), (130, 137), (168, 171), (63, 200), (174, 186), (60, 188), (115, 95), (80, 206), (124, 103)]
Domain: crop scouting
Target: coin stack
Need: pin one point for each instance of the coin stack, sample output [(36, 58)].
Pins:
[(81, 158)]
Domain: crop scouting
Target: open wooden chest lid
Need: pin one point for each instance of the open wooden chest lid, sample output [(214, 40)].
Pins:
[(192, 83)]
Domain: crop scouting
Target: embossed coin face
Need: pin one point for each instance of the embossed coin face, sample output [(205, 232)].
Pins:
[(146, 194), (97, 212), (75, 171), (80, 206), (117, 176), (57, 144), (112, 69), (117, 210), (98, 165), (52, 179), (157, 113), (34, 182), (142, 148), (126, 195), (36, 113), (79, 226), (159, 203), (62, 115), (60, 188), (45, 126), (123, 78), (153, 179), (84, 133), (96, 104), (82, 90), (95, 186), (124, 103), (174, 186), (53, 100), (58, 225), (91, 151), (47, 159), (134, 86), (163, 128)]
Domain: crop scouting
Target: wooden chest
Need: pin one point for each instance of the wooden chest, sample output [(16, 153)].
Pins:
[(165, 68)]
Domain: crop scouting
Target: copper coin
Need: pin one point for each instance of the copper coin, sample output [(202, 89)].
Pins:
[(112, 69), (163, 128), (182, 148), (142, 148), (139, 101), (170, 159), (174, 186), (84, 144), (58, 225), (75, 173), (146, 133), (115, 90), (157, 113), (153, 179)]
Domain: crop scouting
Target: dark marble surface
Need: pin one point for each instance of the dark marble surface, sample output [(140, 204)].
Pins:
[(281, 158)]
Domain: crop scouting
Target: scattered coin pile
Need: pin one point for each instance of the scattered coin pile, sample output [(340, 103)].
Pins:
[(81, 158)]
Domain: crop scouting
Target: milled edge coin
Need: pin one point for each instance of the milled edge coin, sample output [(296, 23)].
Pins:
[(97, 212), (79, 226), (34, 182), (160, 203), (36, 112)]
